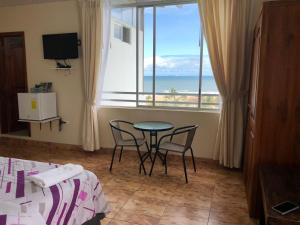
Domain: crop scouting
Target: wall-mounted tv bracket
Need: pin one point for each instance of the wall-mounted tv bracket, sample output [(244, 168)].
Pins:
[(79, 42), (64, 65)]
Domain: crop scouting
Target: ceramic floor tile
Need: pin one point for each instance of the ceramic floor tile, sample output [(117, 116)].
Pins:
[(146, 205), (213, 196), (203, 189), (230, 215), (190, 199), (105, 221), (250, 222), (120, 222), (120, 196), (181, 221), (154, 193), (185, 212), (135, 217), (229, 195), (115, 208), (123, 184)]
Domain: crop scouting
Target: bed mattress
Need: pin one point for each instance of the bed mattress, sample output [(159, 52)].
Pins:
[(72, 202)]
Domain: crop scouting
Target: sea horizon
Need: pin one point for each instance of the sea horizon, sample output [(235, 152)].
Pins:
[(180, 83)]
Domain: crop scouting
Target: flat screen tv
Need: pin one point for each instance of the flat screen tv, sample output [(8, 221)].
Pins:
[(60, 46)]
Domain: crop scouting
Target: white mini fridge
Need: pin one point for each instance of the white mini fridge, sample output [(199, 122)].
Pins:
[(37, 106)]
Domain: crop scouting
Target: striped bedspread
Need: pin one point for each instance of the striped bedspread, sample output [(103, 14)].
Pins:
[(71, 202)]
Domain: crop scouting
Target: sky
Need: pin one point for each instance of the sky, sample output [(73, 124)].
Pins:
[(178, 35), (177, 30)]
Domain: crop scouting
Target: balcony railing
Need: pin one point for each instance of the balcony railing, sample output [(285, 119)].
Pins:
[(205, 101)]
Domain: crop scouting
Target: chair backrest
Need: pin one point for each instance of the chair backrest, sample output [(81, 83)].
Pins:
[(190, 136), (116, 132)]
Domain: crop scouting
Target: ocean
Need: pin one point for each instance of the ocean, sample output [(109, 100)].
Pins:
[(180, 84)]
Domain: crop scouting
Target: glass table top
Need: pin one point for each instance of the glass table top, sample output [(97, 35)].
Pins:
[(153, 126)]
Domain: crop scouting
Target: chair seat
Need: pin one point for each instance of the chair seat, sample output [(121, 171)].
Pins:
[(172, 147), (131, 142)]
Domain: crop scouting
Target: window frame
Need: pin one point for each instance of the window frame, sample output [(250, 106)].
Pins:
[(137, 93)]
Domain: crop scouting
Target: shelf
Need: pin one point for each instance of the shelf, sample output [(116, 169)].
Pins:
[(54, 68), (50, 120), (40, 121), (66, 70)]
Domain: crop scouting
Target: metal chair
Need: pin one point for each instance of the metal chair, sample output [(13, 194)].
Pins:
[(170, 146), (129, 142)]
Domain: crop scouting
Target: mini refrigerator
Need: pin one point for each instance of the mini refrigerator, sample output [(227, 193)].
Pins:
[(37, 106)]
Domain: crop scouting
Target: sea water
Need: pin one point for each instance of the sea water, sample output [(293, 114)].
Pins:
[(180, 84)]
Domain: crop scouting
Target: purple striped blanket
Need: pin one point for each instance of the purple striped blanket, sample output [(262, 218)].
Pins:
[(71, 202)]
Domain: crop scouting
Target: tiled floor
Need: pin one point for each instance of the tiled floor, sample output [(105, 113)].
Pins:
[(214, 196)]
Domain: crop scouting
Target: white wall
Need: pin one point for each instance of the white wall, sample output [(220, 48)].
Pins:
[(122, 77), (35, 20), (59, 17)]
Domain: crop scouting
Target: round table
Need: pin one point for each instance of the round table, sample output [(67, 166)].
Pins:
[(153, 127)]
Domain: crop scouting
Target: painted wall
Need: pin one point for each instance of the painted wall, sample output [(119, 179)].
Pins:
[(35, 20), (60, 17), (205, 137)]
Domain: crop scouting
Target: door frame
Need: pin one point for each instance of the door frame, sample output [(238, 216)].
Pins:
[(20, 34)]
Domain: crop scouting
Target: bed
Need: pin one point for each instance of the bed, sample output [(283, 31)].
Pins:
[(77, 201)]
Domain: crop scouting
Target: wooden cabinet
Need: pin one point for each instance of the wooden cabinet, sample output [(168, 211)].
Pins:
[(273, 129), (287, 187)]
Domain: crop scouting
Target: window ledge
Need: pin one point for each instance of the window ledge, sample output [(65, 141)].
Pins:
[(161, 109)]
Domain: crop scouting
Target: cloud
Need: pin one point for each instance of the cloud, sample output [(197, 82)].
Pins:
[(181, 65), (162, 62)]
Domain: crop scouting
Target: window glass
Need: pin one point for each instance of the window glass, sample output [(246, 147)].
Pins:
[(146, 56), (158, 57), (210, 98), (177, 56), (121, 64)]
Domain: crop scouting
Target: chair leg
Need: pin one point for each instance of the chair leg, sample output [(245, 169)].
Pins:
[(121, 152), (156, 152), (194, 164), (166, 166), (140, 169), (149, 150), (184, 166), (141, 159), (112, 159)]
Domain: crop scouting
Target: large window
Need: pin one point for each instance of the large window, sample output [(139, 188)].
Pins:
[(158, 58)]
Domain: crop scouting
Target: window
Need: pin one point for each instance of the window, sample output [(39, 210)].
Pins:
[(122, 33), (162, 60), (118, 33)]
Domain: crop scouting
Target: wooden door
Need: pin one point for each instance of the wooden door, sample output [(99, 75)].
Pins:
[(274, 109), (13, 79), (280, 71), (294, 72)]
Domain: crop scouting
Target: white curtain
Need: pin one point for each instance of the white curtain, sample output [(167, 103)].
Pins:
[(95, 16), (226, 28), (106, 25)]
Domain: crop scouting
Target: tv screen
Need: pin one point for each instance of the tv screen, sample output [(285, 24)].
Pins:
[(60, 46)]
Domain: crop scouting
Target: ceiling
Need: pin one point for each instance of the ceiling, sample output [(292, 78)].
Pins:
[(113, 2), (24, 2), (137, 2)]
